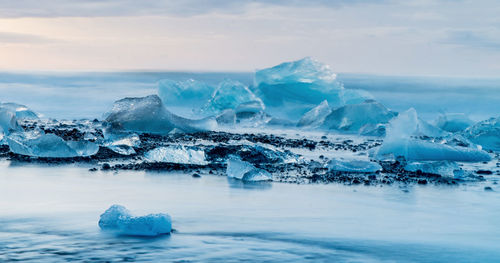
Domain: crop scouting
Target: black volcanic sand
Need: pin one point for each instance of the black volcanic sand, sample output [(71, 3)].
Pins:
[(258, 149)]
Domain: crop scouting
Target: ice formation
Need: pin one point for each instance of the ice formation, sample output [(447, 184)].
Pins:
[(353, 166), (119, 220), (148, 115), (121, 142), (10, 113), (352, 118), (291, 89), (485, 133), (49, 145), (453, 122), (316, 116), (177, 154), (443, 168), (191, 94), (244, 171), (402, 140), (229, 95)]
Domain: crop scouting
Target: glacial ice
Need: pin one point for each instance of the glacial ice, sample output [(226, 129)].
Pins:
[(245, 171), (453, 122), (20, 111), (177, 154), (119, 220), (121, 142), (316, 116), (291, 89), (353, 166), (11, 113), (49, 145), (226, 117), (402, 140), (229, 95), (148, 114), (191, 94), (443, 168), (485, 133), (352, 118)]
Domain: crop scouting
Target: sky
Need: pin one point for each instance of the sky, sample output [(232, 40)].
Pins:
[(413, 37)]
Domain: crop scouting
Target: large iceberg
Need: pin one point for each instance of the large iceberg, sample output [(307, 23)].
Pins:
[(148, 115), (402, 139), (316, 116), (352, 118), (229, 95), (119, 220), (353, 166), (49, 145), (453, 122), (485, 133), (177, 154), (244, 171), (291, 89), (181, 95)]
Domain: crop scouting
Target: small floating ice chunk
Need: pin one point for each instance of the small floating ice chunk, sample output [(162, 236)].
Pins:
[(453, 122), (485, 133), (352, 118), (316, 116), (402, 140), (119, 220), (148, 115), (244, 171), (177, 154), (353, 166), (20, 111), (49, 145), (121, 143), (443, 168)]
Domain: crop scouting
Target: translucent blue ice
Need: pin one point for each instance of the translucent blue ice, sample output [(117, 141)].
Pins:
[(245, 171), (48, 145), (453, 122), (353, 166), (119, 220), (121, 142), (316, 116), (352, 118), (190, 94), (485, 133), (229, 95), (443, 168), (177, 154), (148, 115)]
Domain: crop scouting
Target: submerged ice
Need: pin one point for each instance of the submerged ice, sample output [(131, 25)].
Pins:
[(119, 220)]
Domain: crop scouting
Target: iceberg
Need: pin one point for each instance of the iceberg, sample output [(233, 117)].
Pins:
[(177, 154), (453, 122), (49, 145), (352, 118), (122, 143), (227, 117), (353, 166), (119, 220), (10, 114), (442, 168), (244, 171), (291, 89), (229, 95), (189, 94), (148, 115), (485, 133), (20, 111), (402, 140), (316, 116)]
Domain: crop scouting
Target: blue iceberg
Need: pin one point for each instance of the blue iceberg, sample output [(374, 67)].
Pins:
[(453, 122), (148, 115), (316, 116), (353, 118), (49, 145), (121, 142), (119, 220), (245, 171), (485, 133), (229, 95), (11, 114), (184, 98), (403, 139), (353, 166)]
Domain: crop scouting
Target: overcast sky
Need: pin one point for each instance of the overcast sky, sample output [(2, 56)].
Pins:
[(426, 37)]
